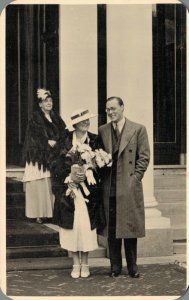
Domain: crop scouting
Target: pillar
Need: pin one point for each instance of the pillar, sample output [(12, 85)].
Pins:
[(129, 75), (78, 60)]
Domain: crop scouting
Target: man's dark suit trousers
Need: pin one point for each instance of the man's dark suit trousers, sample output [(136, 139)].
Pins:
[(115, 244)]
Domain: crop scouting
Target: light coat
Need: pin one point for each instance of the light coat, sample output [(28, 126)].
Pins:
[(133, 160)]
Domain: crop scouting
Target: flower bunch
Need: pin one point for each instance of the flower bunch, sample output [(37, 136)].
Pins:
[(103, 158), (82, 155)]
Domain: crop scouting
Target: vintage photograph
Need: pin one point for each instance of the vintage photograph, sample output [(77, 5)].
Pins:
[(96, 149)]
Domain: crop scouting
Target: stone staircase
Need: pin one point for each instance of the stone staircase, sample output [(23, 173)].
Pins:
[(170, 193), (27, 239)]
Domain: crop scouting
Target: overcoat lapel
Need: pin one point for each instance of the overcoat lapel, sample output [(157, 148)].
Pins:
[(126, 135)]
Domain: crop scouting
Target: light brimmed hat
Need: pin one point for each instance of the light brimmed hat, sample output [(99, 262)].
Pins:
[(80, 115)]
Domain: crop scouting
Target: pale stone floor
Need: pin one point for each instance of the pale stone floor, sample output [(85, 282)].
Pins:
[(156, 280)]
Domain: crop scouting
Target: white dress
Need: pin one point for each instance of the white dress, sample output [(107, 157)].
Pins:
[(81, 237), (39, 197)]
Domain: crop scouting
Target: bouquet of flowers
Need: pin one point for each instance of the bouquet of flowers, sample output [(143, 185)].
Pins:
[(86, 161)]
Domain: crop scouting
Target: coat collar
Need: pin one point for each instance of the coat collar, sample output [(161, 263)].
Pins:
[(126, 135)]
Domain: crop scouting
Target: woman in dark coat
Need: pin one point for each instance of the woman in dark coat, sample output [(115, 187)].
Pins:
[(44, 138), (76, 214)]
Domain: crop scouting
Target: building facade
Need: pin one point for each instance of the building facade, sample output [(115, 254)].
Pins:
[(85, 53)]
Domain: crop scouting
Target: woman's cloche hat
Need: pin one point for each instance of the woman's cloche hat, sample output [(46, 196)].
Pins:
[(80, 115), (42, 94)]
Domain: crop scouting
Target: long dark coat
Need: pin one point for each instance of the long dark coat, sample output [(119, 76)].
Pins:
[(64, 205), (133, 159), (39, 131)]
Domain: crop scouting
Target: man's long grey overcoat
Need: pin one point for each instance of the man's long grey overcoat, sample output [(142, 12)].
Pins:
[(133, 160)]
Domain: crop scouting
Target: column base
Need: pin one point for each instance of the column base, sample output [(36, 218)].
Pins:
[(157, 242), (159, 236)]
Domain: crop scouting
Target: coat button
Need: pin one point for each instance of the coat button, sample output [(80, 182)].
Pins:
[(131, 174), (130, 150), (130, 162)]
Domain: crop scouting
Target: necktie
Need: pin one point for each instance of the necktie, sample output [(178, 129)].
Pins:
[(117, 131)]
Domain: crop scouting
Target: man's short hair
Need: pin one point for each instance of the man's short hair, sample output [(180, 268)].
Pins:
[(120, 101)]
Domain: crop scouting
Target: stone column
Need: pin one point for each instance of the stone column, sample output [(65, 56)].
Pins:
[(129, 75), (78, 60)]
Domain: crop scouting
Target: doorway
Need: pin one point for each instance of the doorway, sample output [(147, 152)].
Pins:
[(169, 83), (32, 61)]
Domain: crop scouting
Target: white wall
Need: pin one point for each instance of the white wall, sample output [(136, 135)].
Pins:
[(78, 60)]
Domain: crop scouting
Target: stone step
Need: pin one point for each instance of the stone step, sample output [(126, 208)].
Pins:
[(179, 248), (15, 199), (169, 201), (178, 220), (163, 195), (36, 251), (175, 208), (169, 182), (31, 239), (15, 172), (49, 251), (15, 213), (25, 233), (13, 185), (56, 263), (42, 263), (169, 170), (98, 253), (179, 233)]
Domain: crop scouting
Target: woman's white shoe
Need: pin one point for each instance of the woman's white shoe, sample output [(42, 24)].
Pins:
[(76, 271), (85, 271)]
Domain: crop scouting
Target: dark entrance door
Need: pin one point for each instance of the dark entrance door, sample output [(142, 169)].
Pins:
[(32, 61), (169, 83)]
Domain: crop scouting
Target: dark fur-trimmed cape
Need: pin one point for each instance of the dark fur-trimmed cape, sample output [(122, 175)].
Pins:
[(39, 131)]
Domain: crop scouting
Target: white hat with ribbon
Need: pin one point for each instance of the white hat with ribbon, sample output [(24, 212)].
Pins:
[(80, 115)]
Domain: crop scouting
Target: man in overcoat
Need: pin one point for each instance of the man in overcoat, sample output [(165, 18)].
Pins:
[(122, 185)]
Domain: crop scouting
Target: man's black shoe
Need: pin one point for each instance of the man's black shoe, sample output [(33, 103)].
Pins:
[(114, 273), (134, 275)]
